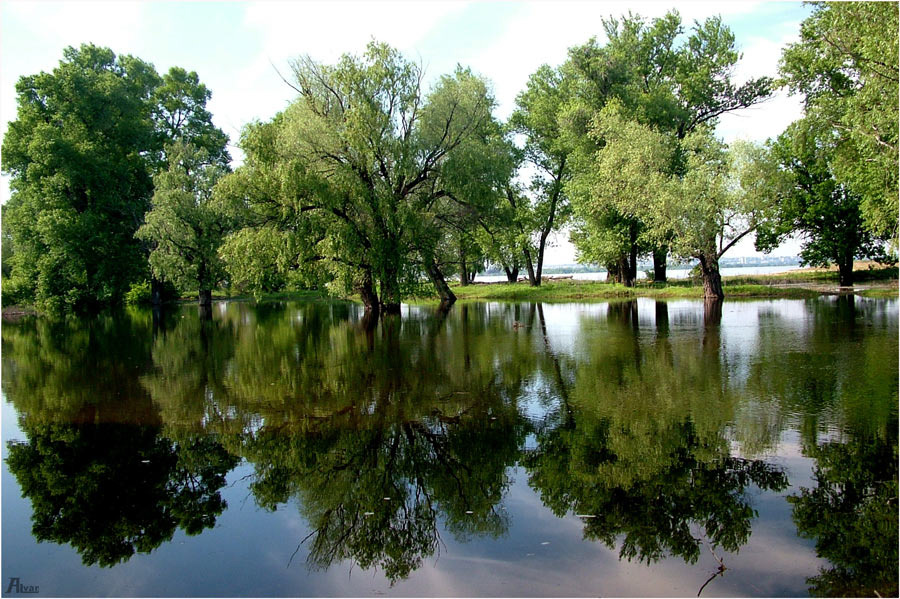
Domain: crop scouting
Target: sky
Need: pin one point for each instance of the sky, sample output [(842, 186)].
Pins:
[(239, 48)]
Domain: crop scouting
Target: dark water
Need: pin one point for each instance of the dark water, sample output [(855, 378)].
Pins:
[(636, 448)]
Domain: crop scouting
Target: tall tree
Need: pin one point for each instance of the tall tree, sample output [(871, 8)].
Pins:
[(80, 178), (721, 197), (357, 168), (672, 87), (535, 117), (846, 65), (812, 203), (180, 115), (184, 225)]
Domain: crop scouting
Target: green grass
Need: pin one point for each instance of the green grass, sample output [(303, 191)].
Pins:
[(568, 290), (880, 293)]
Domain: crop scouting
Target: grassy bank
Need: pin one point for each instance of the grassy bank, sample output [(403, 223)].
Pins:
[(791, 284), (568, 290)]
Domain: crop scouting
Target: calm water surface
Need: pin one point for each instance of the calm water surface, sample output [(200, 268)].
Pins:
[(634, 448)]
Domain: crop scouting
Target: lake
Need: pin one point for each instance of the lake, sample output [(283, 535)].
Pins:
[(633, 448)]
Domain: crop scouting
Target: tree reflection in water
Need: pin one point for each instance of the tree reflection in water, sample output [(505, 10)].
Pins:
[(852, 515), (111, 490), (386, 436)]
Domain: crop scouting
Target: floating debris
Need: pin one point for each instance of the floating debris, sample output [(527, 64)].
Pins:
[(469, 512), (367, 514), (545, 543), (145, 461), (387, 498)]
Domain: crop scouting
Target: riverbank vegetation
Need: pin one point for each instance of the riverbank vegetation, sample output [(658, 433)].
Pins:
[(370, 185)]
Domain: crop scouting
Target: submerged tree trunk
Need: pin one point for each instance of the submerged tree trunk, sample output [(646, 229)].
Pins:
[(156, 291), (367, 293), (659, 264), (712, 280), (390, 292), (437, 279)]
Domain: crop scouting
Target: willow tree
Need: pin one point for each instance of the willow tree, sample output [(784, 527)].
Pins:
[(722, 196), (350, 177), (661, 77)]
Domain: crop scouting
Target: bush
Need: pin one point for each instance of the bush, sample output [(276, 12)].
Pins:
[(139, 294)]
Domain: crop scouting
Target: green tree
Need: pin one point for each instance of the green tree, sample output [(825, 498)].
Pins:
[(185, 226), (535, 117), (180, 115), (846, 65), (812, 202), (80, 178), (721, 196), (673, 87), (353, 174)]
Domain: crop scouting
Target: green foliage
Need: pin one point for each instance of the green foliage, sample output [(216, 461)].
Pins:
[(180, 115), (846, 65), (80, 179), (812, 202), (138, 294), (82, 152), (357, 174), (647, 92), (184, 226)]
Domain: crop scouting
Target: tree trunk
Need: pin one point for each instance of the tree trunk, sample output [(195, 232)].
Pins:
[(845, 272), (659, 264), (534, 282), (367, 294), (540, 261), (712, 280), (463, 267), (156, 290), (437, 279), (390, 292), (512, 275), (625, 275), (472, 276), (205, 297), (632, 255), (612, 273)]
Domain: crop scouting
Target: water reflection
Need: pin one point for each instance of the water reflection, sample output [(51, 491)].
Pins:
[(655, 422), (111, 490), (852, 515)]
